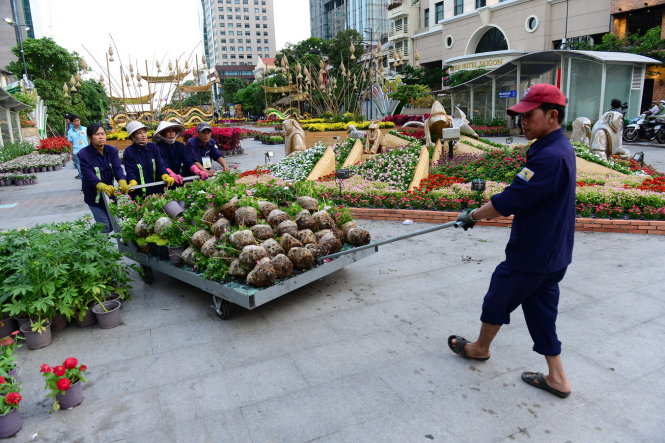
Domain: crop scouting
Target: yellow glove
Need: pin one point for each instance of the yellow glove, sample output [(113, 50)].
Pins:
[(133, 183), (101, 186), (123, 186), (168, 179)]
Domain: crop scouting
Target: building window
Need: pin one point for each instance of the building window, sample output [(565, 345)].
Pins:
[(481, 3), (492, 40), (531, 23), (221, 25), (265, 32), (266, 49), (265, 40), (246, 17), (438, 12), (256, 18), (265, 25), (222, 32), (248, 49), (426, 19), (265, 19), (459, 7)]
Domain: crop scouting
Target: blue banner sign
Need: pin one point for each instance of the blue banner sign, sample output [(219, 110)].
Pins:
[(507, 94)]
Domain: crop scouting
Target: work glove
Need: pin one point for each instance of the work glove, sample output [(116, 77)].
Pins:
[(466, 219), (174, 176), (103, 187), (123, 186), (198, 171), (168, 179)]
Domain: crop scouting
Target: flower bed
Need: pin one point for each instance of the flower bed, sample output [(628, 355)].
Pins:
[(227, 139), (342, 150), (396, 168), (491, 131), (400, 119), (34, 162), (320, 127), (54, 145), (11, 151), (298, 165)]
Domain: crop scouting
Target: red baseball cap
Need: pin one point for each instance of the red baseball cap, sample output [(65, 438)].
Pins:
[(535, 96)]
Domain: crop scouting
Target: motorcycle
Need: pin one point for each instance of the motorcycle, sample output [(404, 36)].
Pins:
[(645, 127)]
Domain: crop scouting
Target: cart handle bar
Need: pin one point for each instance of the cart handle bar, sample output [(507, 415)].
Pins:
[(390, 240), (147, 185)]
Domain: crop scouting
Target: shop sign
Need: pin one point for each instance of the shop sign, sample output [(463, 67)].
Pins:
[(486, 63)]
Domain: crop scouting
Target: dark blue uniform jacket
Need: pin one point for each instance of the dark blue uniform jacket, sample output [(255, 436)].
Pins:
[(109, 169), (542, 200), (151, 168), (174, 157), (196, 150)]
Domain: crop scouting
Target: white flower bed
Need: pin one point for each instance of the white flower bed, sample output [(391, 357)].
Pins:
[(298, 165)]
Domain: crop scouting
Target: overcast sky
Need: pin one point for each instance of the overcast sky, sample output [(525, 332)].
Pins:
[(145, 29)]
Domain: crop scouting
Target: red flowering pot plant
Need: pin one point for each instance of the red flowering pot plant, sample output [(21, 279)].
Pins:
[(10, 418), (65, 383)]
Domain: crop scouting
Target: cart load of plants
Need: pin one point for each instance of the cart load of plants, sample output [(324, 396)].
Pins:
[(34, 162), (60, 268), (232, 228)]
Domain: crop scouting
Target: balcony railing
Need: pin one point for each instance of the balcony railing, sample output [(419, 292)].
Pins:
[(398, 31)]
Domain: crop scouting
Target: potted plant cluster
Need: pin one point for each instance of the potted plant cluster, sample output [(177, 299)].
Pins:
[(58, 270), (34, 162), (65, 383)]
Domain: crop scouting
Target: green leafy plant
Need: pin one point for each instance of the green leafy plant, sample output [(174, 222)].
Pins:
[(10, 398), (8, 346)]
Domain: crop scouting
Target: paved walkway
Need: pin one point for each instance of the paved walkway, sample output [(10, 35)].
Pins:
[(361, 355)]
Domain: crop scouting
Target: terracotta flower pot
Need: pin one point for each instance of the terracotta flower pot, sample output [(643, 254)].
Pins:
[(108, 315), (72, 397), (10, 423), (36, 340)]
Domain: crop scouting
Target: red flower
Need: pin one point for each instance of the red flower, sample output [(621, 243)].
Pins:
[(15, 332), (71, 363), (83, 368), (44, 368), (59, 370), (2, 380), (6, 341), (63, 384), (13, 398)]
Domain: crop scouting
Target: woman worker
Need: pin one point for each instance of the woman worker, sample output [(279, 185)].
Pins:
[(100, 165), (201, 151), (172, 151), (143, 162)]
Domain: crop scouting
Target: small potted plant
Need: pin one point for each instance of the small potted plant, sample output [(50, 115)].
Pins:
[(8, 347), (10, 398), (65, 383)]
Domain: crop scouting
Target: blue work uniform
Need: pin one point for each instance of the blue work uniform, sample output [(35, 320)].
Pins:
[(79, 140), (145, 165), (174, 157), (95, 168), (540, 248), (196, 150)]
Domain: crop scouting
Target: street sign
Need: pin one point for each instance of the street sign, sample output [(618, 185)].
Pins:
[(507, 94)]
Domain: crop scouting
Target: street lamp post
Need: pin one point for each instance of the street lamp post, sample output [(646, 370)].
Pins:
[(11, 22)]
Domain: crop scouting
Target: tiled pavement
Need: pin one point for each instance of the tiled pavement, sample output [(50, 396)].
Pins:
[(361, 355)]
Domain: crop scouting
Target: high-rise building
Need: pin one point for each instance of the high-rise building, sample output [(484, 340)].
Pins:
[(236, 33), (19, 12), (329, 17)]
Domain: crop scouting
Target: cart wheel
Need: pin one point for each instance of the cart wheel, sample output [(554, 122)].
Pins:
[(147, 275), (222, 308)]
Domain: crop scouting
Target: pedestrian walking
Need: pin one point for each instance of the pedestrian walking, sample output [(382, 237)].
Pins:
[(78, 137), (542, 200), (143, 162), (100, 166)]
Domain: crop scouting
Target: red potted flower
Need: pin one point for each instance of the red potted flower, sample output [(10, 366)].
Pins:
[(65, 383), (10, 398)]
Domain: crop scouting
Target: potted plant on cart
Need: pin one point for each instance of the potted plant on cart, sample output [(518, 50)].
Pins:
[(10, 398), (65, 383)]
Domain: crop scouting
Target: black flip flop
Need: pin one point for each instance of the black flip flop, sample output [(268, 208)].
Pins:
[(537, 380), (458, 348)]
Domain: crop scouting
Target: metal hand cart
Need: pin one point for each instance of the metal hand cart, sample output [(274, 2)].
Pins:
[(226, 294)]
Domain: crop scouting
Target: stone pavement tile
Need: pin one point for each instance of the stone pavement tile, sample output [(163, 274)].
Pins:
[(585, 423), (588, 378), (353, 355), (110, 419), (242, 386), (618, 313), (184, 334), (273, 342), (632, 353), (366, 319), (153, 370), (653, 290), (321, 410), (405, 424), (227, 427), (576, 334), (638, 407), (570, 299), (159, 436), (179, 401)]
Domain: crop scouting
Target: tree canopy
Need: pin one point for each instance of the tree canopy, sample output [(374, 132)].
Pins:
[(230, 86), (49, 66)]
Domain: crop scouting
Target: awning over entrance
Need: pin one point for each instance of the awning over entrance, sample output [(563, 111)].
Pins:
[(589, 79)]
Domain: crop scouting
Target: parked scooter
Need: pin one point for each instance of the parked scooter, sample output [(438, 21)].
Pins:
[(645, 127)]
